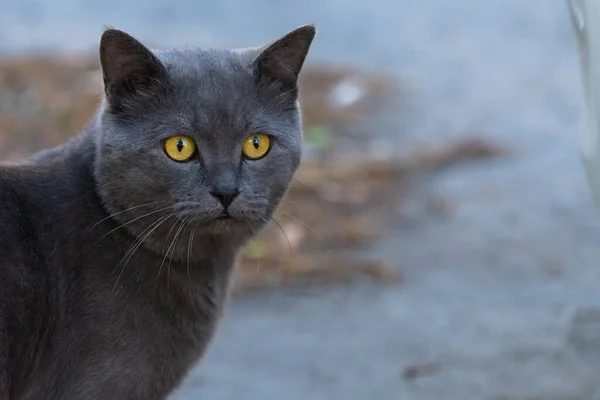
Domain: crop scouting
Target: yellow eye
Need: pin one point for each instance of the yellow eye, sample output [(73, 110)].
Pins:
[(180, 148), (256, 146)]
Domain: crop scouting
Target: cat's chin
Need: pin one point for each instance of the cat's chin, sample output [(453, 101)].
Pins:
[(227, 225)]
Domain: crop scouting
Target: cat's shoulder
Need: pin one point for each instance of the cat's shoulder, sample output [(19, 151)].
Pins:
[(17, 235), (9, 182), (15, 184), (47, 155)]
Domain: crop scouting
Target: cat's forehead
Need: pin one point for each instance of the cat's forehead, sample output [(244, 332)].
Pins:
[(208, 67), (212, 81), (213, 88)]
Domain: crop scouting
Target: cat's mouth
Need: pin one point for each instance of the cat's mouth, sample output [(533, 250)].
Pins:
[(222, 218)]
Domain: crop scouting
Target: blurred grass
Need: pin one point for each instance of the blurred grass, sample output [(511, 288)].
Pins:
[(332, 207)]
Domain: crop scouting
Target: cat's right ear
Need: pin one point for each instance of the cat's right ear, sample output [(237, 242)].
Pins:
[(128, 67)]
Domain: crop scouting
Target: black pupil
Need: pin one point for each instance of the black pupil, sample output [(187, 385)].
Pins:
[(180, 145), (256, 142)]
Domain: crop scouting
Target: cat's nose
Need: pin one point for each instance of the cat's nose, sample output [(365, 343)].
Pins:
[(225, 195)]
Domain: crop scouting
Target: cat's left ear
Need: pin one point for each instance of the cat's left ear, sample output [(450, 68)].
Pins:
[(282, 60), (128, 67)]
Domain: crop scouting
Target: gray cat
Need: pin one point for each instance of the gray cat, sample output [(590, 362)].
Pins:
[(116, 248)]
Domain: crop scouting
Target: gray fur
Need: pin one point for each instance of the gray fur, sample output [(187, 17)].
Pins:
[(82, 316)]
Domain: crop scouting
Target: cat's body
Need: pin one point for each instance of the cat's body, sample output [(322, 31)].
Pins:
[(115, 259), (73, 331)]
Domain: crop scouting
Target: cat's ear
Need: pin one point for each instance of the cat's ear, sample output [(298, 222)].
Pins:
[(128, 67), (282, 60)]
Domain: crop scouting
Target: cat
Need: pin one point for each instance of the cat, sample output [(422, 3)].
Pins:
[(117, 248)]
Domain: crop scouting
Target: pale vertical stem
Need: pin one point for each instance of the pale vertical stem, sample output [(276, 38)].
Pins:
[(585, 17)]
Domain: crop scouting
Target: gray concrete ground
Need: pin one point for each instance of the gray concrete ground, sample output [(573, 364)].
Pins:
[(503, 294)]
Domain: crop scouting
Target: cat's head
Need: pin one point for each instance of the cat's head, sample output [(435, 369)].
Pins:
[(207, 137)]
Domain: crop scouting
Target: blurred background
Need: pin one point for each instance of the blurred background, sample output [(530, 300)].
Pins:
[(440, 240)]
